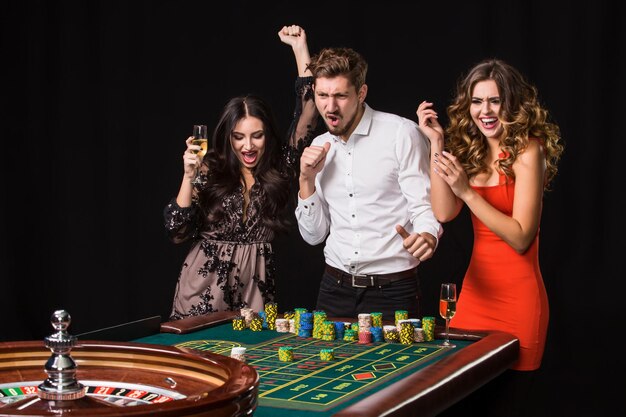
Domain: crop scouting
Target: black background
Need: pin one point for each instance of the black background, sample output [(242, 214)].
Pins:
[(98, 97)]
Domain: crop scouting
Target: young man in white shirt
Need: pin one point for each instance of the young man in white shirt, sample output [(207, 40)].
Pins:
[(365, 189)]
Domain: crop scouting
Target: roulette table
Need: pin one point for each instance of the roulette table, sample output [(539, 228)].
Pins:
[(185, 370), (364, 380)]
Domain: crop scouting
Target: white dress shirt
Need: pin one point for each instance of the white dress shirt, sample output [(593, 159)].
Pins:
[(375, 180)]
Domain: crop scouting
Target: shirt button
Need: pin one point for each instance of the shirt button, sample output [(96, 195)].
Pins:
[(350, 195)]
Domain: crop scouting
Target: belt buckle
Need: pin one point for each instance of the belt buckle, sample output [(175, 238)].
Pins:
[(361, 276)]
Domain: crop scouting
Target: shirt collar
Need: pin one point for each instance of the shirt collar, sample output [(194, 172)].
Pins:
[(364, 126)]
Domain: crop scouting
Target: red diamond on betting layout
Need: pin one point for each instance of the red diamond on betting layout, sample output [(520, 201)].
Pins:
[(364, 375)]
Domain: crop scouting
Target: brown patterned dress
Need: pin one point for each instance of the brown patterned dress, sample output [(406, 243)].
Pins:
[(230, 264)]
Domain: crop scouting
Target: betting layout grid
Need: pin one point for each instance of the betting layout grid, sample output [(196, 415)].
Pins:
[(307, 382)]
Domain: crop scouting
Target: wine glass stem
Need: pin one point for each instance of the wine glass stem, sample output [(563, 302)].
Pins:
[(447, 340)]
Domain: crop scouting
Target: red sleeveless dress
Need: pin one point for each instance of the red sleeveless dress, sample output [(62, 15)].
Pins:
[(503, 290)]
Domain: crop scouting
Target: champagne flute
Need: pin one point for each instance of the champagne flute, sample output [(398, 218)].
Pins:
[(200, 138), (447, 308)]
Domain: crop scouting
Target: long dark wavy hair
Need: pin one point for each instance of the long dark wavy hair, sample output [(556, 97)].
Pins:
[(223, 168), (521, 115)]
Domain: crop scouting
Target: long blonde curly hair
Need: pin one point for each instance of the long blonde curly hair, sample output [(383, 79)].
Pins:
[(521, 115)]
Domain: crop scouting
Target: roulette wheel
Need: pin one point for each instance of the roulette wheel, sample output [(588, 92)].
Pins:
[(63, 376)]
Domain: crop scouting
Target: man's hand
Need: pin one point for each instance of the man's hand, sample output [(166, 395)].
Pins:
[(419, 245)]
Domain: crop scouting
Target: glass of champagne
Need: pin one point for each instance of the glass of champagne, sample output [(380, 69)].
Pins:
[(447, 308), (200, 138)]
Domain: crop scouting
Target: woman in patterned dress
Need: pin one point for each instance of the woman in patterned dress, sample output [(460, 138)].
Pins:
[(243, 200)]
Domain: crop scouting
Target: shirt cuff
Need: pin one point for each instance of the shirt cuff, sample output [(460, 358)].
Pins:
[(437, 234), (310, 205)]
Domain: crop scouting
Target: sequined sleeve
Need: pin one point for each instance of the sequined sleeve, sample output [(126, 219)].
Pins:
[(181, 223), (305, 121)]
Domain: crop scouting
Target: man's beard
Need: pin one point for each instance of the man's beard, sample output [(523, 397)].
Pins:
[(340, 131)]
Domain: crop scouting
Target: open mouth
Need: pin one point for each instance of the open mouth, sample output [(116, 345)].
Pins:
[(489, 122), (249, 157), (333, 120)]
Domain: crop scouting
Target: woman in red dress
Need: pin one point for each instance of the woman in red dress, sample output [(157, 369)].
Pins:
[(499, 157)]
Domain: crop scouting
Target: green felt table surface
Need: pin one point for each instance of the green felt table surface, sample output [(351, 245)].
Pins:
[(309, 386)]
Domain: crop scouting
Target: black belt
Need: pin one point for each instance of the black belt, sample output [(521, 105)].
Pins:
[(365, 281)]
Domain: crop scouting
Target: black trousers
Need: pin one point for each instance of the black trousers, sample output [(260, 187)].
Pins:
[(339, 299)]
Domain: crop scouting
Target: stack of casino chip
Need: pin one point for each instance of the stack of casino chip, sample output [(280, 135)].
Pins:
[(399, 323), (282, 325), (305, 329), (391, 334), (406, 332), (285, 354), (377, 319), (365, 336), (297, 313), (377, 334), (401, 315), (256, 323), (239, 323), (347, 325), (388, 327), (416, 322), (292, 326), (263, 318), (247, 314), (319, 317), (428, 324), (327, 354), (365, 322), (328, 330), (289, 314), (238, 353), (350, 335), (339, 329), (355, 327), (271, 313), (418, 334)]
